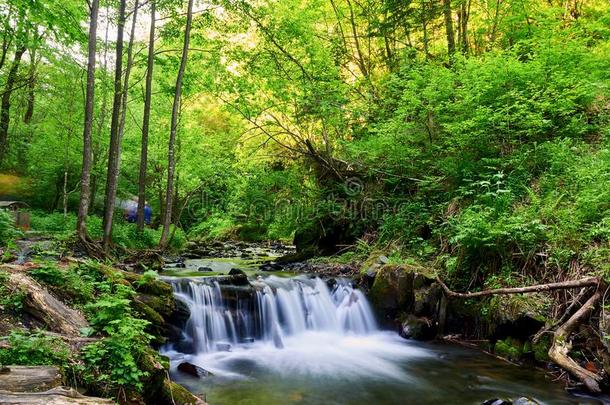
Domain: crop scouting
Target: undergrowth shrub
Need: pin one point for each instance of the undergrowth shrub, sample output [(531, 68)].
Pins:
[(11, 300), (8, 232), (34, 349)]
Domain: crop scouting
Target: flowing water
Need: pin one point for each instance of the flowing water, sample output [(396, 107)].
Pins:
[(302, 340)]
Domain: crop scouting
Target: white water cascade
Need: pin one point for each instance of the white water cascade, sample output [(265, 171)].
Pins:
[(285, 326), (272, 310)]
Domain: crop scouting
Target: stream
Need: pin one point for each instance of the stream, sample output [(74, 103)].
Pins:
[(272, 339)]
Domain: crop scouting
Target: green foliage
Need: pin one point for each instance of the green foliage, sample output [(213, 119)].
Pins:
[(112, 363), (124, 234), (72, 283), (510, 348), (11, 300), (34, 349), (7, 228), (109, 307)]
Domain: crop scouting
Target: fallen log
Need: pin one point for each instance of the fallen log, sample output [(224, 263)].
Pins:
[(33, 379), (46, 308), (55, 396), (559, 351), (584, 282)]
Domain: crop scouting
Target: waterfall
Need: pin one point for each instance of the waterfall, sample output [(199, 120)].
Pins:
[(269, 310)]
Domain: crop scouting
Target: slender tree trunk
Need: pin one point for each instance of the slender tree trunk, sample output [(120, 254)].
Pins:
[(360, 56), (169, 194), (449, 27), (463, 28), (29, 112), (97, 139), (424, 26), (7, 37), (146, 120), (5, 108), (125, 93), (114, 149), (83, 206)]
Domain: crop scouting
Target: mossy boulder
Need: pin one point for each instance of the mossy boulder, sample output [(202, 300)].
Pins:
[(172, 391), (403, 289), (392, 290)]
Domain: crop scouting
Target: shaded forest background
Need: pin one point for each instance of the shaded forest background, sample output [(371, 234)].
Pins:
[(467, 135)]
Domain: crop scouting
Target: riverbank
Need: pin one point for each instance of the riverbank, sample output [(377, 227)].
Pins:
[(406, 298)]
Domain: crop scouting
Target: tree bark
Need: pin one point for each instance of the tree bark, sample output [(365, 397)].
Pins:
[(169, 194), (114, 149), (449, 27), (5, 108), (146, 120), (32, 379), (83, 206)]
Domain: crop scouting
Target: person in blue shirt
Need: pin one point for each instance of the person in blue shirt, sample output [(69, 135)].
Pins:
[(147, 213)]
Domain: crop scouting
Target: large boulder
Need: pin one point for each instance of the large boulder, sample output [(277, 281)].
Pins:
[(392, 290)]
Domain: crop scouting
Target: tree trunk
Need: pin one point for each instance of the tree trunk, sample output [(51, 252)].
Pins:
[(5, 108), (7, 36), (83, 206), (146, 120), (424, 26), (449, 27), (96, 142), (29, 112), (114, 149), (464, 15), (360, 56), (125, 93), (169, 194)]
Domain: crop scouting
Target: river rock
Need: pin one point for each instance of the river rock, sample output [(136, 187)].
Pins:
[(496, 401), (180, 315), (392, 290), (418, 328), (223, 347), (194, 370), (205, 268), (525, 401), (234, 272)]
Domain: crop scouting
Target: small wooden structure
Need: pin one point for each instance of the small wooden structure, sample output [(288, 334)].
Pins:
[(18, 209)]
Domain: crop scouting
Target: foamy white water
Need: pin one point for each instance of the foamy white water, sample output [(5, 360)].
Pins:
[(288, 325)]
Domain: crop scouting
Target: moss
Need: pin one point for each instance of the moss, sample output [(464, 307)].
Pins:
[(510, 348), (177, 394)]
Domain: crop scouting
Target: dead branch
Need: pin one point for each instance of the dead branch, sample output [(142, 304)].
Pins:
[(562, 344), (585, 282)]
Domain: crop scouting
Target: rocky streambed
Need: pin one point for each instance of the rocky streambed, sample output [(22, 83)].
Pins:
[(251, 346)]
